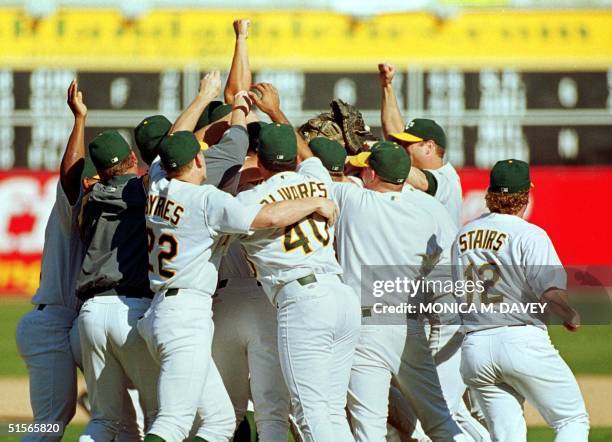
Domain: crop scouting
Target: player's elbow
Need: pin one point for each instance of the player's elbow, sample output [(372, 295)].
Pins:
[(266, 219)]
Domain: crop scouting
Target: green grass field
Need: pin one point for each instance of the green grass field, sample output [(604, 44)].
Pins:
[(586, 352)]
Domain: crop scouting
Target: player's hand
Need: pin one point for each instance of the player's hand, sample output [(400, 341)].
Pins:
[(210, 85), (385, 74), (243, 101), (265, 96), (328, 210), (572, 324), (241, 27), (75, 100)]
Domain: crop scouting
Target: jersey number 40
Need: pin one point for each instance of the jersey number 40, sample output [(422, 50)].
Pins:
[(295, 236)]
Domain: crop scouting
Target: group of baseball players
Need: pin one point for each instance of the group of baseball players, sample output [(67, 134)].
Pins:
[(231, 270)]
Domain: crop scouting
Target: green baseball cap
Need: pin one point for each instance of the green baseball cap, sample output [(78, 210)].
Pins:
[(107, 149), (254, 128), (89, 170), (422, 129), (389, 160), (149, 133), (330, 152), (277, 142), (510, 176), (178, 149), (213, 112)]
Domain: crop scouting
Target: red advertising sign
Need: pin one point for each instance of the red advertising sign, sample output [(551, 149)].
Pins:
[(570, 203)]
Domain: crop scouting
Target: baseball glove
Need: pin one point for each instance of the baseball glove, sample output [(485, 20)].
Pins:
[(323, 125), (354, 130)]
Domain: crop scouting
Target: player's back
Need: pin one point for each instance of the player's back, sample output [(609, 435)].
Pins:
[(407, 228), (184, 225), (283, 255), (513, 259)]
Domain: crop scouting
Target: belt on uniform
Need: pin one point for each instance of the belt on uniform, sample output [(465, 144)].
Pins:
[(305, 280), (366, 312), (311, 279), (41, 306)]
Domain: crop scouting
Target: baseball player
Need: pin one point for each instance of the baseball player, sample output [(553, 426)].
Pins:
[(185, 221), (114, 288), (425, 141), (333, 156), (245, 347), (317, 314), (508, 358), (418, 230), (46, 337)]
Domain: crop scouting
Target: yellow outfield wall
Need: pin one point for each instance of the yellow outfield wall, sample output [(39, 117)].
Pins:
[(100, 39)]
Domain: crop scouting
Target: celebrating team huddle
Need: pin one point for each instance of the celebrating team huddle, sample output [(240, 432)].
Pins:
[(232, 270)]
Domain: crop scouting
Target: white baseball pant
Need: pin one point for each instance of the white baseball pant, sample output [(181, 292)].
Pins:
[(245, 351), (115, 358), (402, 351), (318, 328), (178, 331), (445, 344), (45, 340), (505, 366)]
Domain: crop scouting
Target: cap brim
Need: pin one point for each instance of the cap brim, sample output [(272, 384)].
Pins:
[(360, 160), (405, 136)]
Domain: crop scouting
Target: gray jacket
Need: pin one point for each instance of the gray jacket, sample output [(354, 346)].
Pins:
[(113, 229)]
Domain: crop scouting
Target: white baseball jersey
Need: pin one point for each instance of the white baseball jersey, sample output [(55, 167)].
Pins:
[(449, 191), (283, 255), (62, 255), (184, 224), (517, 263), (408, 228)]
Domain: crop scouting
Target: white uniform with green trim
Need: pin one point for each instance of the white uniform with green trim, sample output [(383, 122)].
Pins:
[(508, 358), (318, 315), (447, 338), (408, 228), (449, 191), (185, 223)]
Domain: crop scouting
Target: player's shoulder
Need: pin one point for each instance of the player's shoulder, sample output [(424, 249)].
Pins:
[(251, 194), (313, 167), (531, 232), (343, 190), (422, 199), (517, 227)]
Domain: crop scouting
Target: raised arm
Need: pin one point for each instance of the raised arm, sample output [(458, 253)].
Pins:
[(239, 77), (418, 179), (268, 101), (210, 86), (241, 109), (73, 160), (285, 213), (390, 115)]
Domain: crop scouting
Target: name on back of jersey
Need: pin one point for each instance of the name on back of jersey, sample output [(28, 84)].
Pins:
[(488, 239), (308, 189), (164, 208)]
